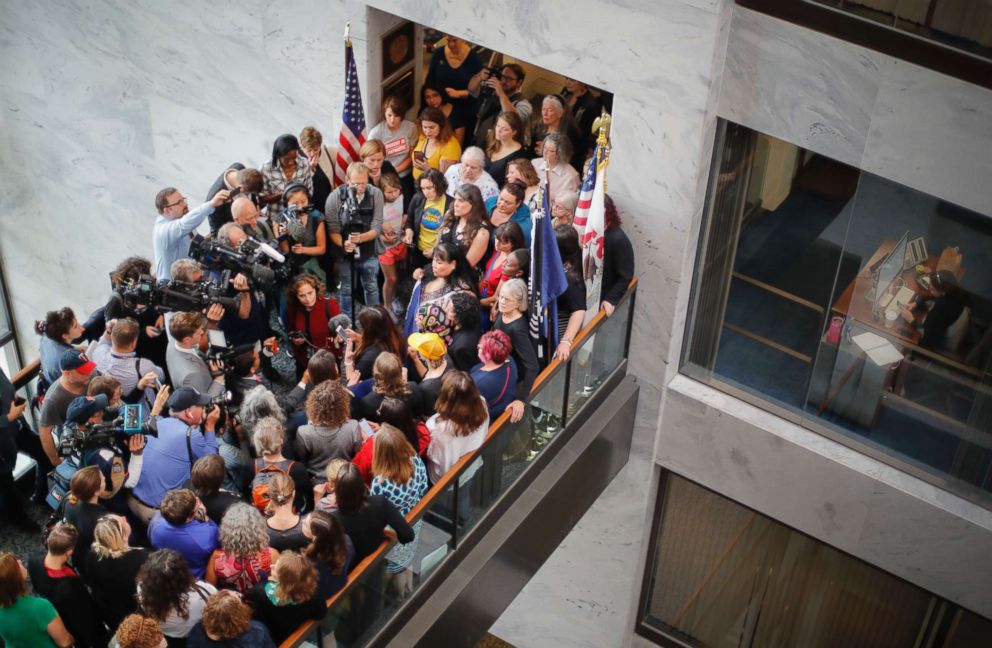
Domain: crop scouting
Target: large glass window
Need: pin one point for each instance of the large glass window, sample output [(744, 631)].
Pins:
[(852, 304), (719, 574)]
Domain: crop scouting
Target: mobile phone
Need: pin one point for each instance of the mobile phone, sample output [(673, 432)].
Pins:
[(419, 156), (340, 332)]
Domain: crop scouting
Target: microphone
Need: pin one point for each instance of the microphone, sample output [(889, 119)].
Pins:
[(338, 323), (271, 252)]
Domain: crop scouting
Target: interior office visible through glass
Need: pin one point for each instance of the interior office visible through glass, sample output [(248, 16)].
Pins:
[(963, 24), (719, 574), (852, 303)]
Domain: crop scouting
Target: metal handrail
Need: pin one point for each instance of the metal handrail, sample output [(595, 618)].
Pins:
[(436, 491)]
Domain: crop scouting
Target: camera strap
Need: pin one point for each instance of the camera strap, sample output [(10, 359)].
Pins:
[(189, 445)]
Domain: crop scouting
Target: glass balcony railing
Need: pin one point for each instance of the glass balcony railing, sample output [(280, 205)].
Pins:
[(453, 506)]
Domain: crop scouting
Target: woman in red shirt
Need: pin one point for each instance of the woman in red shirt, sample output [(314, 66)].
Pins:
[(308, 311)]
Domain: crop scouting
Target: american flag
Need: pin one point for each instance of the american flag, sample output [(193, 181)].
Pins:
[(352, 119), (585, 194), (593, 228)]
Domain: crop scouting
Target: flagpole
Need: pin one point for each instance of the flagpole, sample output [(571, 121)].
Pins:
[(347, 34)]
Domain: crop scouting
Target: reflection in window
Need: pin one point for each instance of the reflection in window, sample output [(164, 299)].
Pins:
[(719, 574), (858, 304)]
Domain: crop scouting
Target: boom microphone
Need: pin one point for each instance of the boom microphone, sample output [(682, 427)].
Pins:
[(271, 252), (341, 320)]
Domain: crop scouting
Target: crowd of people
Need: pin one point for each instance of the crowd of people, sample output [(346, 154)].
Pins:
[(268, 465)]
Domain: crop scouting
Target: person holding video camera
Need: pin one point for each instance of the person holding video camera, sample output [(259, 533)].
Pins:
[(245, 214), (175, 222), (301, 232), (186, 366), (354, 220), (115, 355), (188, 433)]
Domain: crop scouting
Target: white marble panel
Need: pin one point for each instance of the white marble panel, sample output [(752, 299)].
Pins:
[(799, 85), (933, 133), (108, 103), (859, 505)]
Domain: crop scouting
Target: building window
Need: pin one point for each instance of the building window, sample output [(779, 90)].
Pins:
[(9, 357), (951, 36), (848, 303), (719, 574)]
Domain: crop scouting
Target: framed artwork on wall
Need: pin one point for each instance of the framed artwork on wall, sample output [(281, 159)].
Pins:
[(402, 87), (397, 49)]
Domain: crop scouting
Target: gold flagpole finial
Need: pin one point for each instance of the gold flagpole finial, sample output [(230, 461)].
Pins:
[(347, 34), (602, 124)]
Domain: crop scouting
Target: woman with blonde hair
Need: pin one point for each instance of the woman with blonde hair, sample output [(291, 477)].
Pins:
[(401, 477), (290, 596), (459, 426), (244, 557), (389, 380), (522, 170), (112, 568), (270, 437), (330, 431), (227, 622), (284, 526)]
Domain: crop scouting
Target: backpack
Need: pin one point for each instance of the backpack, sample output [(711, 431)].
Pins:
[(264, 472)]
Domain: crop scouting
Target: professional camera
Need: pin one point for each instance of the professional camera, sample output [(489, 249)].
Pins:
[(351, 221), (173, 295), (290, 219), (247, 259), (76, 438)]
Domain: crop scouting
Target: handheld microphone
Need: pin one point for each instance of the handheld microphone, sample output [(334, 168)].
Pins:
[(338, 323)]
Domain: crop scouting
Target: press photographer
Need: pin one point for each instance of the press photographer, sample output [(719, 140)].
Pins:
[(187, 367), (232, 252), (188, 433), (300, 229), (354, 221), (170, 295)]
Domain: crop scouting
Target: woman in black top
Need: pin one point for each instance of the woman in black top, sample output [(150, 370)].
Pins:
[(379, 334), (512, 308), (572, 302), (365, 517), (388, 380), (330, 551), (112, 567), (618, 259), (465, 316), (83, 511)]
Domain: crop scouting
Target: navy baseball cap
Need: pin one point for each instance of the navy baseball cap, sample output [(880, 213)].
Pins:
[(186, 397), (75, 360), (82, 408)]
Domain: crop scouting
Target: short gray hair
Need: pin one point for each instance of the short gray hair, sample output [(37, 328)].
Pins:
[(184, 269), (224, 233), (474, 153), (518, 289), (568, 199), (242, 531), (270, 436)]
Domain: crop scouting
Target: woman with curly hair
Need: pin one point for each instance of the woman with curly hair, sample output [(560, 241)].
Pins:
[(330, 551), (244, 557), (289, 597), (330, 431), (307, 313), (389, 380), (168, 593), (112, 567), (379, 334), (284, 525), (57, 331), (227, 622), (137, 631)]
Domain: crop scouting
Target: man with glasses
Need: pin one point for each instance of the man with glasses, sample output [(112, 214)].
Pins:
[(506, 96), (175, 225), (471, 170)]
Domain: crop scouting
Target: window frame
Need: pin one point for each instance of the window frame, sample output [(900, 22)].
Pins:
[(892, 41)]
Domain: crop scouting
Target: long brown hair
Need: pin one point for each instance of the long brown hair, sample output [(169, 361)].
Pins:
[(387, 376), (460, 404), (392, 455), (516, 125), (378, 328), (13, 585), (477, 219), (436, 116), (86, 483)]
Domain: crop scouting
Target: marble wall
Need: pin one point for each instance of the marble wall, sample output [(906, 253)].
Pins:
[(895, 119), (105, 103)]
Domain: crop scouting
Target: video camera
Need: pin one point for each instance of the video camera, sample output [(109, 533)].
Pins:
[(219, 351), (248, 259), (351, 221), (77, 438), (173, 295)]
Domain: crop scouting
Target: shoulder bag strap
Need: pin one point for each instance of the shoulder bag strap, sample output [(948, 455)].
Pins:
[(189, 445)]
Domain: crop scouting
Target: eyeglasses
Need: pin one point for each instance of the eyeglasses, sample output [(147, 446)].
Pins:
[(178, 202)]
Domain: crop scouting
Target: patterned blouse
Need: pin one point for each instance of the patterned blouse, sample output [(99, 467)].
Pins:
[(275, 181), (241, 574), (404, 497)]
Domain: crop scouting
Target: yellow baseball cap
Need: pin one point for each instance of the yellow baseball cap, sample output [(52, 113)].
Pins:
[(429, 345)]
